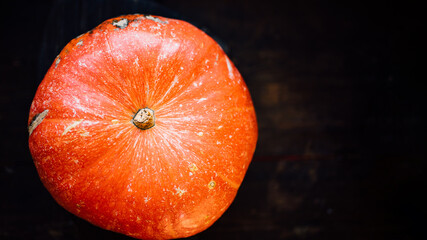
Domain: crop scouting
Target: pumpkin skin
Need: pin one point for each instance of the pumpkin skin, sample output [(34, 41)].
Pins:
[(172, 180)]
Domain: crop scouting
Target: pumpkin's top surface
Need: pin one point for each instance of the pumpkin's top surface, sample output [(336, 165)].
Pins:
[(172, 179)]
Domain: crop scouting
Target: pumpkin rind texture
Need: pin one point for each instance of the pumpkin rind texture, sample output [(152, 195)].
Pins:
[(172, 180)]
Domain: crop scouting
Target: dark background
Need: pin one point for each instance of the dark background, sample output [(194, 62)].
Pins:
[(339, 99)]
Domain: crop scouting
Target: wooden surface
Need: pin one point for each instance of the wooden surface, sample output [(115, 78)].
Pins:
[(341, 151)]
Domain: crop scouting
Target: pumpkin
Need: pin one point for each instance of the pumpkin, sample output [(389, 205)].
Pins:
[(143, 126)]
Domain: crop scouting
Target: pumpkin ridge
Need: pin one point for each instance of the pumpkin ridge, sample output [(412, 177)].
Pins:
[(188, 77), (97, 85), (120, 144)]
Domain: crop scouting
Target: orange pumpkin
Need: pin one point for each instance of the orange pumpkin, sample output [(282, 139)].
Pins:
[(143, 126)]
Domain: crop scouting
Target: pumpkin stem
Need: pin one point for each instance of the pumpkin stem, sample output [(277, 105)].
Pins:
[(144, 119)]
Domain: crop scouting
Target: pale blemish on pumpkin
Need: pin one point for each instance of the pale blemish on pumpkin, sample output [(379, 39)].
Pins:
[(79, 43), (58, 59), (38, 118), (85, 134), (200, 134), (193, 168), (80, 205), (219, 127), (179, 191), (229, 181), (122, 23), (171, 86), (71, 126), (230, 68), (201, 100), (195, 84), (82, 64), (47, 158), (208, 218), (114, 121), (136, 61)]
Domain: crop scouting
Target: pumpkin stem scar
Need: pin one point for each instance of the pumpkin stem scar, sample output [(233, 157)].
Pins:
[(37, 119), (121, 24), (144, 119), (155, 19)]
